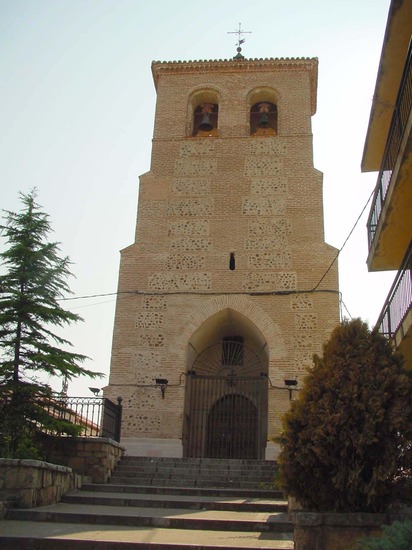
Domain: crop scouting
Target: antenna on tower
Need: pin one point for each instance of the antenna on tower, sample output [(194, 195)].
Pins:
[(240, 40)]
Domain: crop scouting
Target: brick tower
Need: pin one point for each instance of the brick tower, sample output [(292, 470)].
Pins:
[(222, 298)]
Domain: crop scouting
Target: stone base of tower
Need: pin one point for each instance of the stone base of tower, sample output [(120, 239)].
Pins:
[(272, 451), (173, 448), (137, 446)]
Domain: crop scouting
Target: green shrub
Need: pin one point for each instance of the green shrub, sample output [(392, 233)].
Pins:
[(397, 536), (347, 439)]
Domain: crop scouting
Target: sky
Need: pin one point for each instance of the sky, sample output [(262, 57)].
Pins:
[(77, 111)]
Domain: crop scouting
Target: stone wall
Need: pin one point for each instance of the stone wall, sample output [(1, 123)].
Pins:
[(30, 483), (333, 531), (91, 457)]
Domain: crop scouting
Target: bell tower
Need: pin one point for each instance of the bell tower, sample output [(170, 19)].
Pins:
[(223, 295)]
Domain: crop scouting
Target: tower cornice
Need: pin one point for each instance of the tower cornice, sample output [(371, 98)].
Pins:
[(258, 65)]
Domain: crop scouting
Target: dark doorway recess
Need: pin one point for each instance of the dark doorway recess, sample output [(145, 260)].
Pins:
[(232, 428), (226, 403)]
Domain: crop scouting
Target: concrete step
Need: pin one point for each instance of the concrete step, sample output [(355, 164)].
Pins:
[(232, 504), (187, 504), (160, 467), (192, 477), (215, 462), (196, 472), (183, 482), (190, 491), (156, 469), (16, 535), (173, 518)]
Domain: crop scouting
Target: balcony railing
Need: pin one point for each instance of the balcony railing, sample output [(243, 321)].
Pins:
[(95, 416), (399, 119), (399, 300)]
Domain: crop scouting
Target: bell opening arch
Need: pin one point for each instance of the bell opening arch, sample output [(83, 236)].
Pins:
[(226, 396)]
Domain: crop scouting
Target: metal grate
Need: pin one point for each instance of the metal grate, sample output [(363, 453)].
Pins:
[(226, 403), (225, 417)]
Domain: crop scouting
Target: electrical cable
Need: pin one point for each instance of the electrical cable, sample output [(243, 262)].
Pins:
[(345, 241)]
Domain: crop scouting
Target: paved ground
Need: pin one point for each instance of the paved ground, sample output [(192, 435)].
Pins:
[(102, 533)]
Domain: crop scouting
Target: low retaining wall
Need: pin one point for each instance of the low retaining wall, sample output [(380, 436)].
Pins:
[(30, 483), (333, 531), (94, 457)]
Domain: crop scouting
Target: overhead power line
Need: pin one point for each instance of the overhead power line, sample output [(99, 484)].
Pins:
[(256, 293)]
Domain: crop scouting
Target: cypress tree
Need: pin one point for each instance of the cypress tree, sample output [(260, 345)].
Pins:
[(346, 441)]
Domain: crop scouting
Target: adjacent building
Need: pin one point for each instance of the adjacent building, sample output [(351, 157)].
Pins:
[(388, 149)]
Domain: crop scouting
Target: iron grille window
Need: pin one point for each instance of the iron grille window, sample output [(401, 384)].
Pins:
[(232, 350)]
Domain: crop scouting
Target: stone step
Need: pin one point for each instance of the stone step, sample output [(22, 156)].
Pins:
[(180, 482), (16, 535), (232, 504), (248, 472), (207, 476), (214, 462), (173, 518), (235, 492), (154, 503), (197, 472), (195, 468), (192, 478), (255, 474)]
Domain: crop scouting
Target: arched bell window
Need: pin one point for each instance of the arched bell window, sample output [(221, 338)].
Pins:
[(263, 119), (205, 119)]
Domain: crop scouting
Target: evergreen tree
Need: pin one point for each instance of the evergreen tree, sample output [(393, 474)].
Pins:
[(347, 440), (34, 279)]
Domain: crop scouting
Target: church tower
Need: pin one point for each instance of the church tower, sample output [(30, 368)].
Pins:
[(225, 295)]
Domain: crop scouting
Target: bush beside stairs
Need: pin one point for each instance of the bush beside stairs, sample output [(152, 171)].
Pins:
[(153, 503)]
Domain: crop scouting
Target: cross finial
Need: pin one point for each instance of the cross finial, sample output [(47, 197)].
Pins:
[(240, 40)]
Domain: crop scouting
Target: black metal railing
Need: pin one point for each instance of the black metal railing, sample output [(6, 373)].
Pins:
[(399, 300), (400, 117), (94, 416)]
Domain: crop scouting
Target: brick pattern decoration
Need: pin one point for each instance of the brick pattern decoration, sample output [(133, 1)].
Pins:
[(258, 198)]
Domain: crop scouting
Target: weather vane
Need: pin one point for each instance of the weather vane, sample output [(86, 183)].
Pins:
[(240, 40)]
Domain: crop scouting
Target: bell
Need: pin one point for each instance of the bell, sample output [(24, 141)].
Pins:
[(264, 116), (264, 120), (206, 124)]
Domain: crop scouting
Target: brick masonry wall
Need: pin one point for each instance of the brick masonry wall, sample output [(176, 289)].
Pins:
[(204, 198)]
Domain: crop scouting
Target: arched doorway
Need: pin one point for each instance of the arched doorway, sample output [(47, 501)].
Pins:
[(226, 390)]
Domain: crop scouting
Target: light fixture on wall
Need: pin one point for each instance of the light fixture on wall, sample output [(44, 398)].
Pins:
[(162, 383), (96, 391), (290, 385)]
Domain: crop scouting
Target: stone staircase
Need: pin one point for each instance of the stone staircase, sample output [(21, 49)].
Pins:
[(153, 503)]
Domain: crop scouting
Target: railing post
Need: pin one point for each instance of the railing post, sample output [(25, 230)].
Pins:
[(118, 429), (388, 313)]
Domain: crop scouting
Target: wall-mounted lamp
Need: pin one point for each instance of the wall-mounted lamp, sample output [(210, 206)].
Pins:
[(96, 391), (290, 385), (162, 382)]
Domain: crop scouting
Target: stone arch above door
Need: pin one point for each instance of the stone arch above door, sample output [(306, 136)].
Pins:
[(227, 363), (264, 327)]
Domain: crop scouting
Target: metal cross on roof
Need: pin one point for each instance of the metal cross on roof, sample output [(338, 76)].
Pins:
[(240, 40)]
